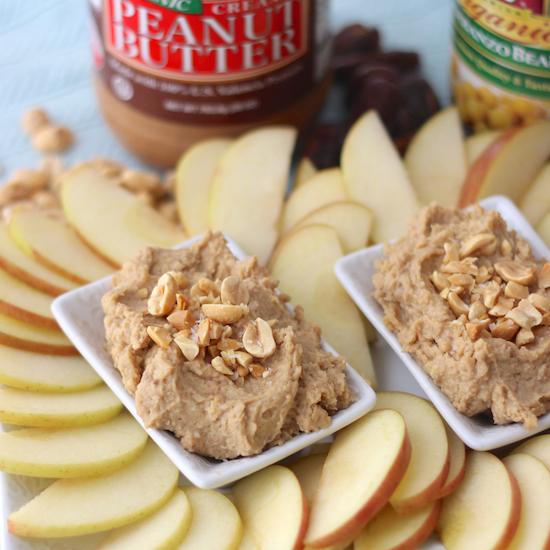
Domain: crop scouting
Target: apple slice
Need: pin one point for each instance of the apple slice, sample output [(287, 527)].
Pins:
[(216, 524), (351, 221), (477, 143), (509, 165), (247, 542), (484, 511), (534, 484), (247, 193), (304, 265), (163, 529), (392, 531), (58, 410), (457, 467), (16, 334), (194, 176), (87, 451), (536, 201), (538, 447), (304, 171), (436, 159), (71, 507), (273, 508), (45, 373), (24, 303), (114, 222), (150, 226), (46, 237), (29, 271), (543, 229), (325, 187), (427, 471), (375, 176), (308, 471), (363, 467)]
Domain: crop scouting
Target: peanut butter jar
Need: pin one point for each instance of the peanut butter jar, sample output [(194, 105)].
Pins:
[(171, 72)]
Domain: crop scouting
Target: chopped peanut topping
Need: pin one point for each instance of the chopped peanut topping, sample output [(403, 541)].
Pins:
[(525, 315), (516, 272), (216, 330), (524, 337), (439, 280), (477, 311), (475, 328), (257, 370), (475, 243), (181, 319), (502, 307), (163, 296), (461, 280), (516, 291), (188, 347), (495, 297), (457, 304), (466, 266), (219, 365), (243, 372), (483, 275), (203, 332), (491, 292), (258, 339), (229, 344), (505, 329), (160, 336), (223, 313)]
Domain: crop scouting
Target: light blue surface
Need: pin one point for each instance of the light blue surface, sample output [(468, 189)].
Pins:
[(45, 60)]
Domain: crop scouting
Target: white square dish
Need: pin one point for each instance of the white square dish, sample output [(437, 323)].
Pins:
[(80, 315), (355, 272)]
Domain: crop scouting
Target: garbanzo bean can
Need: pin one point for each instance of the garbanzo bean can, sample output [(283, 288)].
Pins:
[(501, 62)]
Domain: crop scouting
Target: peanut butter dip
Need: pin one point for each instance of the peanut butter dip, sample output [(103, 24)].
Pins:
[(212, 353), (467, 299)]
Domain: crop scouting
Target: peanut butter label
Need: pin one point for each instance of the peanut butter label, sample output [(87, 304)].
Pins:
[(198, 60)]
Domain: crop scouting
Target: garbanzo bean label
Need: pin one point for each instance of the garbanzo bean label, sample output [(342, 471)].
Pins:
[(508, 21), (504, 45)]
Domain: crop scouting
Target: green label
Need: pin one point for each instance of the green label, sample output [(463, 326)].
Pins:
[(537, 87), (182, 6), (516, 67), (527, 58)]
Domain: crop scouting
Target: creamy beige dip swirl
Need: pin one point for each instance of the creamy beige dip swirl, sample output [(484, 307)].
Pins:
[(214, 414), (482, 360)]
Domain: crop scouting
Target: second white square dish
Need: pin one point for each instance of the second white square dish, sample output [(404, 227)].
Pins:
[(355, 272)]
